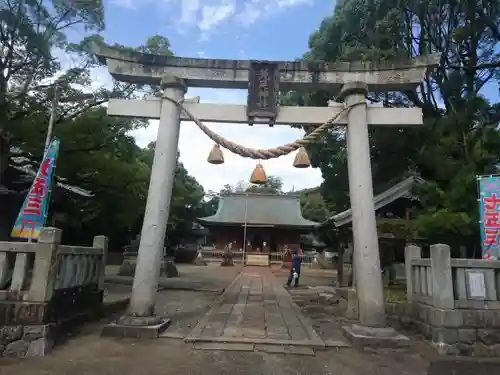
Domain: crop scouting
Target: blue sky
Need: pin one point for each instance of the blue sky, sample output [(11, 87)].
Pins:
[(232, 29), (219, 28)]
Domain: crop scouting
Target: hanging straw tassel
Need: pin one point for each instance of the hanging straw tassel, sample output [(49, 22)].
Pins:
[(302, 159), (258, 176), (216, 157)]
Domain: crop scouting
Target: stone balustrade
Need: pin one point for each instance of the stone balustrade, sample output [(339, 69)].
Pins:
[(45, 286), (453, 302)]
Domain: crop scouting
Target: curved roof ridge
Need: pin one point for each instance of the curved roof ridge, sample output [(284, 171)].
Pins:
[(400, 190), (259, 209)]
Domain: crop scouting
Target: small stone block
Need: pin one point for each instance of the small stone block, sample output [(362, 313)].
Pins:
[(171, 335), (336, 344), (285, 349), (373, 331), (224, 346), (375, 337), (114, 329)]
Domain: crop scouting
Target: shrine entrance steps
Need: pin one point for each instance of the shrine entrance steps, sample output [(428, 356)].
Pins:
[(256, 313)]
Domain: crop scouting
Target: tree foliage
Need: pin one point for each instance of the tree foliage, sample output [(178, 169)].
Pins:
[(97, 151), (459, 139)]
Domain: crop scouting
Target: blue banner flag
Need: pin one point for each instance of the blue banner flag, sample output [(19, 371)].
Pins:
[(33, 213)]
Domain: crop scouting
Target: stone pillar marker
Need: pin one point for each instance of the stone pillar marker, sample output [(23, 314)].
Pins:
[(140, 320), (366, 256)]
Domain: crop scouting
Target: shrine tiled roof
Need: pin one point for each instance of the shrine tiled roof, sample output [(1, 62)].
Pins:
[(402, 189), (259, 210)]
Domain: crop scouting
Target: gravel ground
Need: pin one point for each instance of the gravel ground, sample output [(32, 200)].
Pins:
[(90, 354), (184, 308), (212, 277)]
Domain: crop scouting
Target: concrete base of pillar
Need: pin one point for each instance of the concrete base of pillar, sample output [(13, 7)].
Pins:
[(127, 268), (136, 327), (387, 337), (200, 261), (168, 267), (227, 261), (348, 303), (315, 264)]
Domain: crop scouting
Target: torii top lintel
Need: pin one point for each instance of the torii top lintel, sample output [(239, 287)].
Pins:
[(144, 68)]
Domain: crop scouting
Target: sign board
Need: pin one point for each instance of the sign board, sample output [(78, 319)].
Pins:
[(476, 284), (489, 216), (263, 91)]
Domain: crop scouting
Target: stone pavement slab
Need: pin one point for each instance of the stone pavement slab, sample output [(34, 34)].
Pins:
[(256, 309), (223, 346), (284, 349)]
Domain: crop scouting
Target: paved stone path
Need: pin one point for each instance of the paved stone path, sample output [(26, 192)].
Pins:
[(256, 309)]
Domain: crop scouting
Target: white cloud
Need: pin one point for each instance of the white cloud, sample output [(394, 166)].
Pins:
[(206, 15), (255, 10), (195, 146), (129, 4), (212, 15), (189, 11), (99, 76)]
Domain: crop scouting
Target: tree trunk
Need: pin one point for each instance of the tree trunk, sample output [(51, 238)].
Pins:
[(4, 155)]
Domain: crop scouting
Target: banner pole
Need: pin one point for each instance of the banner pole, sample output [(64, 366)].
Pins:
[(49, 190)]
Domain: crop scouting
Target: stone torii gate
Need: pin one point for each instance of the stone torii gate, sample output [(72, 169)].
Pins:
[(351, 80)]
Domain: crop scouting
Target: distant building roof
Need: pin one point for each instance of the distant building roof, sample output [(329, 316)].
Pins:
[(400, 190), (258, 210)]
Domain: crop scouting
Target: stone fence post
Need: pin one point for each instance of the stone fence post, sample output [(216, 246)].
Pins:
[(442, 281), (45, 267), (101, 242), (411, 252)]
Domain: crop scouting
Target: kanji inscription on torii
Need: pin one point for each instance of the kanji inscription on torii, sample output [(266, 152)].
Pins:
[(263, 91)]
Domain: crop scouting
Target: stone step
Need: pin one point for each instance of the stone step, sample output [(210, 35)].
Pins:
[(257, 260)]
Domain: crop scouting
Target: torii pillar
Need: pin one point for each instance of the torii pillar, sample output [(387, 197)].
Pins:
[(364, 226), (140, 319)]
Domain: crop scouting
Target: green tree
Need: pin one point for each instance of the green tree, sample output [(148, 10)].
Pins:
[(186, 203), (313, 205), (30, 33), (97, 152), (459, 138), (274, 185)]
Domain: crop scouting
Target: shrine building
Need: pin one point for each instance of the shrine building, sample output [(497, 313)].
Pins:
[(269, 223)]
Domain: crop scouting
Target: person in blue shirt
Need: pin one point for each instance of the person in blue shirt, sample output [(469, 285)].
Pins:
[(295, 270)]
